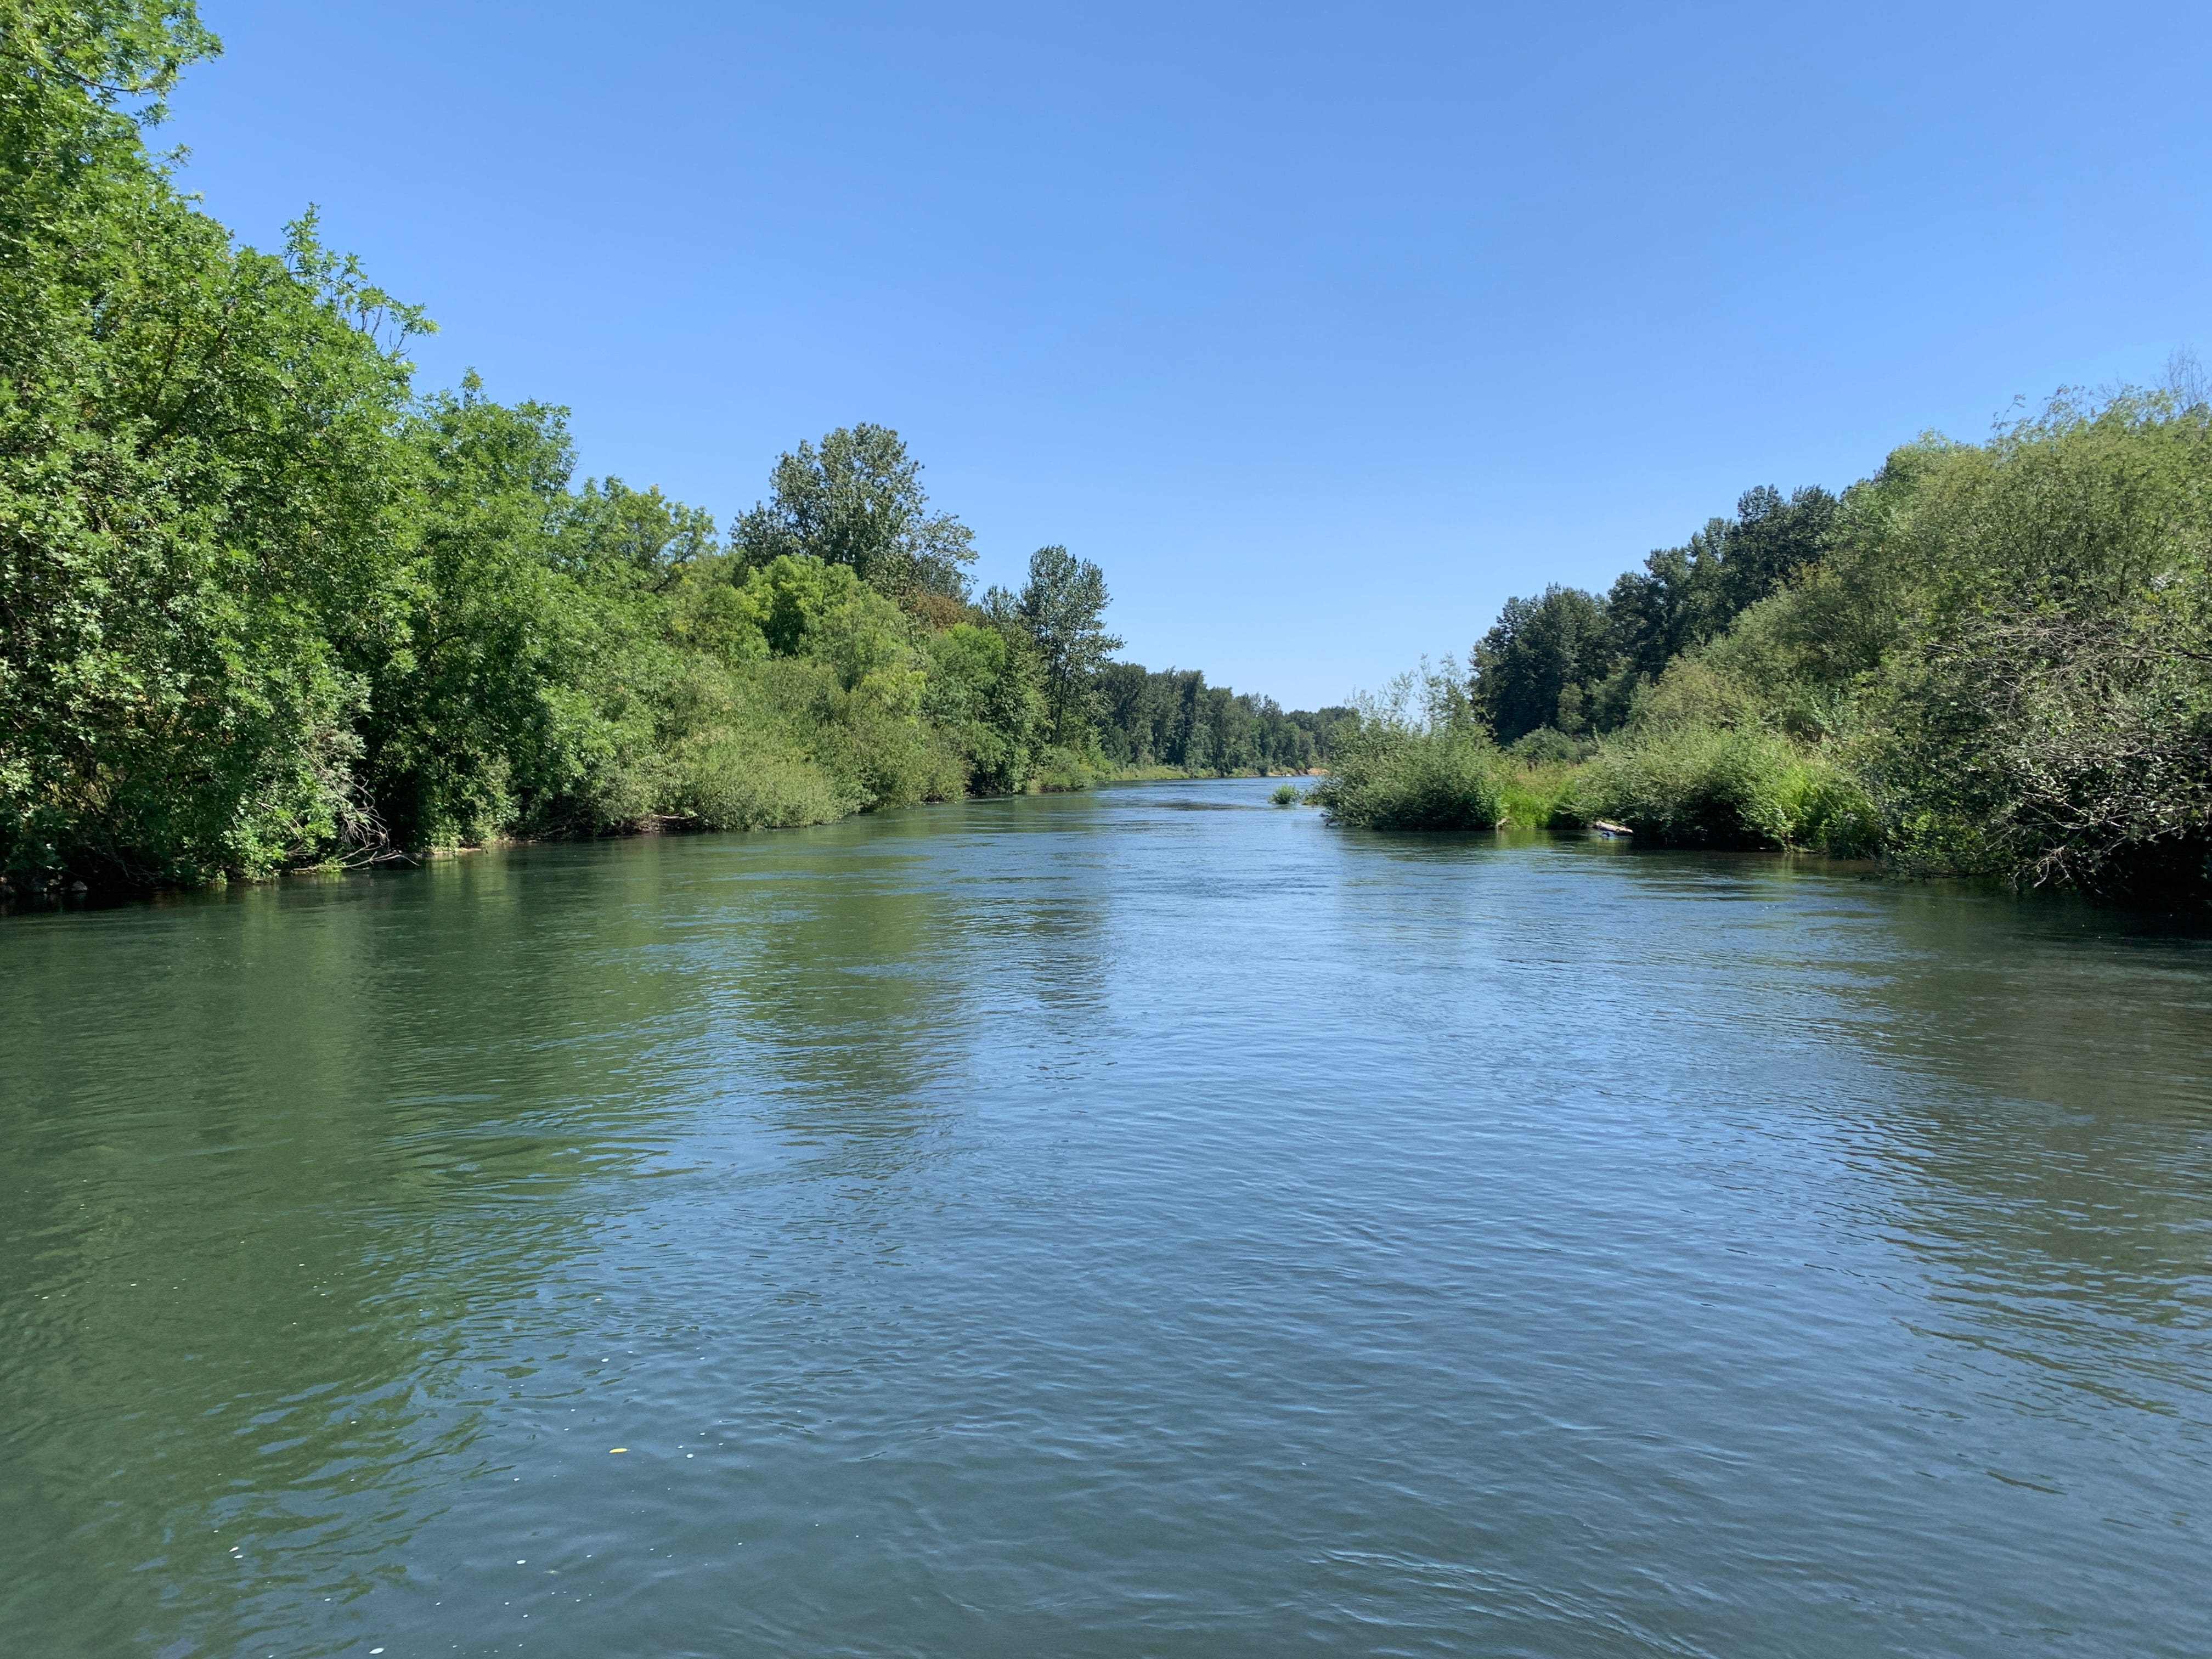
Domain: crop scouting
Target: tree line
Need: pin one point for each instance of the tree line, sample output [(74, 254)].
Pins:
[(1171, 720), (1990, 659), (264, 604)]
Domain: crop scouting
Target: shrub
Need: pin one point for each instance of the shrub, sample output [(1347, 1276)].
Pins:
[(1827, 809), (982, 688), (1392, 775), (734, 785), (1692, 786), (1542, 798), (1704, 786), (1546, 746), (1060, 769)]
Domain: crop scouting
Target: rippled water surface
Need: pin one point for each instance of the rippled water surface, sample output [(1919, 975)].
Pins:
[(1146, 1223)]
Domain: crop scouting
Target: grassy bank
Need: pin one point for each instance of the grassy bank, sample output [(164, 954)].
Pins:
[(1985, 660), (1422, 760), (1704, 787)]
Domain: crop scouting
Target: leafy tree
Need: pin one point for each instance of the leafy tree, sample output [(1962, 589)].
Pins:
[(1771, 542), (1686, 596), (857, 501), (1062, 608), (985, 688), (1530, 668), (1658, 612), (2044, 710), (1579, 664), (76, 66), (803, 607), (201, 509), (468, 730), (609, 533), (1172, 718)]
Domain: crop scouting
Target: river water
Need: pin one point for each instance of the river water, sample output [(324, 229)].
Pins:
[(1147, 1222)]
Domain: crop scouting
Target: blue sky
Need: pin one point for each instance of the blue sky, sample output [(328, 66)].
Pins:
[(1322, 328)]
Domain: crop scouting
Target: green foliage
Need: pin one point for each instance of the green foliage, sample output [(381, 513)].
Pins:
[(802, 607), (201, 506), (2046, 712), (1285, 794), (1580, 663), (1059, 769), (72, 62), (263, 606), (1418, 760), (611, 536), (858, 502), (1990, 659), (1548, 746), (1541, 795), (1690, 784), (1826, 808), (1059, 609), (985, 690), (465, 732), (741, 785), (1531, 667), (1171, 721)]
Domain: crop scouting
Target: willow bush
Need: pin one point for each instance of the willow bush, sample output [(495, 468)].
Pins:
[(1417, 759)]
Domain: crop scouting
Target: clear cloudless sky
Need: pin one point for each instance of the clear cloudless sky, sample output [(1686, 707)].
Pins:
[(1323, 328)]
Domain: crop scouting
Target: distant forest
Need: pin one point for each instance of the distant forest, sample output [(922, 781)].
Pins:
[(1172, 720)]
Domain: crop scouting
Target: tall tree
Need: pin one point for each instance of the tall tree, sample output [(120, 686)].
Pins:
[(1686, 596), (857, 501), (201, 509), (612, 535), (1060, 608), (1773, 540), (1531, 667)]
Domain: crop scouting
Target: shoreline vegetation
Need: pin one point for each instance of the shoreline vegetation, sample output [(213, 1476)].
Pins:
[(266, 606), (1985, 660)]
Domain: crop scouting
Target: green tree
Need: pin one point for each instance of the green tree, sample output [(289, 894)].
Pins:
[(2044, 709), (1772, 541), (611, 535), (857, 501), (202, 506), (1686, 596), (985, 688), (465, 728), (1530, 669), (805, 608), (1061, 607)]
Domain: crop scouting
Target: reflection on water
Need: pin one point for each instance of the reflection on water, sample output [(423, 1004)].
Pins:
[(1141, 1222)]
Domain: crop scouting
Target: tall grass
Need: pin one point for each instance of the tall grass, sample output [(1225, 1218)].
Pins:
[(1697, 771), (1542, 796), (1708, 786)]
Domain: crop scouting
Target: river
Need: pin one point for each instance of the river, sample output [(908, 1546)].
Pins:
[(1143, 1223)]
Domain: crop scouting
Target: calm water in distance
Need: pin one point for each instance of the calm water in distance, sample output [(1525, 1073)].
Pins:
[(1147, 1223)]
